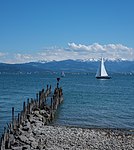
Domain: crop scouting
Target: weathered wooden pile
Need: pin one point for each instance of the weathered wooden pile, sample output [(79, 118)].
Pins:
[(39, 108)]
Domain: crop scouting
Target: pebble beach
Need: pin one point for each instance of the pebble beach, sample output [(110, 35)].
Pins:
[(35, 134)]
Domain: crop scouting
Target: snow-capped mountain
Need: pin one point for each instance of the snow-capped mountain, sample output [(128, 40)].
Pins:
[(89, 65)]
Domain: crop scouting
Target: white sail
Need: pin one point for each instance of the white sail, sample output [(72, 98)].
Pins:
[(62, 74), (101, 70)]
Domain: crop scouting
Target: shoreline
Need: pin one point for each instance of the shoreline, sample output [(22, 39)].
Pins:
[(124, 130), (33, 134)]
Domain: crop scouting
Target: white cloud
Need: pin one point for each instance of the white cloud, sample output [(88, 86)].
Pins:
[(116, 47), (93, 47), (22, 58), (56, 54), (109, 51), (73, 51), (2, 54), (3, 57), (98, 47)]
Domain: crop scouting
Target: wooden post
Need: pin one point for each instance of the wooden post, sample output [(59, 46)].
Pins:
[(1, 139), (12, 114), (6, 144), (18, 119), (42, 105), (51, 103), (24, 110), (42, 90), (6, 140), (21, 117), (28, 111), (51, 109), (50, 88), (45, 101), (24, 105), (42, 98), (58, 79), (37, 96), (35, 103), (13, 118), (27, 101), (57, 84)]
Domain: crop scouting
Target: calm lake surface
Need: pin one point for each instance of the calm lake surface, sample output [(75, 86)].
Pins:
[(88, 102)]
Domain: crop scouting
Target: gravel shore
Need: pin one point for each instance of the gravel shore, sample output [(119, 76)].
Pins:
[(85, 139), (34, 134)]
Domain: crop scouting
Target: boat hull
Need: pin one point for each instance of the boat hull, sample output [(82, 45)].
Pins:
[(103, 77)]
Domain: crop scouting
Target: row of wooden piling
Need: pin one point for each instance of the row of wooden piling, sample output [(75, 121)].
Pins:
[(38, 103)]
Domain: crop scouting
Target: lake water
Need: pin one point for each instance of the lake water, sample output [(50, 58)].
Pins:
[(88, 102)]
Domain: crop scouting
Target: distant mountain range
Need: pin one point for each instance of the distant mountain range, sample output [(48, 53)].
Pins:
[(117, 66)]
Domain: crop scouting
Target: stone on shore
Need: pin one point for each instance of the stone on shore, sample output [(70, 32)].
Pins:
[(39, 136)]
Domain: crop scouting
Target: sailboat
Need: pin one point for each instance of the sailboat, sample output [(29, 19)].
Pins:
[(62, 74), (102, 73)]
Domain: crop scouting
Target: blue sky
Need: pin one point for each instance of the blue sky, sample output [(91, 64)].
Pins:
[(32, 30)]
